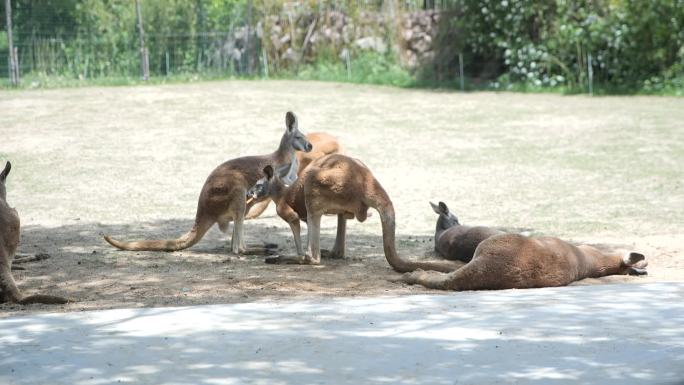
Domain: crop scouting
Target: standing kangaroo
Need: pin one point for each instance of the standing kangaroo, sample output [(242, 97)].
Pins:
[(455, 241), (335, 184), (223, 196), (9, 240), (514, 261), (323, 144)]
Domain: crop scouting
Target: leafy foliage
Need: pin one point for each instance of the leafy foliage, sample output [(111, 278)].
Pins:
[(627, 45)]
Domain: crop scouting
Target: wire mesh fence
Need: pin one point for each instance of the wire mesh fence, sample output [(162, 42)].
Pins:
[(457, 42)]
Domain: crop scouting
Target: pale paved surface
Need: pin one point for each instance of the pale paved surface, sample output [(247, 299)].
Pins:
[(607, 334)]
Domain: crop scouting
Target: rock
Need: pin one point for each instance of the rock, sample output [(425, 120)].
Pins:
[(289, 54), (371, 43), (408, 34)]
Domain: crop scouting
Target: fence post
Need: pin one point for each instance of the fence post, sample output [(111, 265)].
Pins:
[(590, 72), (13, 60), (264, 55), (144, 56), (349, 69), (460, 71), (249, 59)]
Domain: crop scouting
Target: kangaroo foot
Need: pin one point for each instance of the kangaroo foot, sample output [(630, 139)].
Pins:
[(290, 260), (25, 258), (258, 251), (429, 279), (332, 254)]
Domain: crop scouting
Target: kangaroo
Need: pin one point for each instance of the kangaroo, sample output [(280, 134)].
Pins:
[(514, 261), (455, 241), (323, 144), (9, 241), (335, 184), (223, 196)]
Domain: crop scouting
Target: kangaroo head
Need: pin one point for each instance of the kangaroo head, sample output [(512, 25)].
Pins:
[(274, 180), (3, 178), (446, 218), (294, 136), (633, 264)]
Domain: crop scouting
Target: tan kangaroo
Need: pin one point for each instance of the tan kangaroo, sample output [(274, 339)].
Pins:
[(9, 241), (514, 261), (455, 241), (223, 196), (323, 144), (334, 184)]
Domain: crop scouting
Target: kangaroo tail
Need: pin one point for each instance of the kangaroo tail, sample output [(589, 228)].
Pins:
[(386, 211), (43, 298), (186, 240)]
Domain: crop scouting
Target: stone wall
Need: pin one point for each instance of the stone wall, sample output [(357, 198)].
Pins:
[(294, 38)]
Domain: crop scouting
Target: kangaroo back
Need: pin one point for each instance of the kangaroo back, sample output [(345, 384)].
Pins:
[(460, 242), (513, 261)]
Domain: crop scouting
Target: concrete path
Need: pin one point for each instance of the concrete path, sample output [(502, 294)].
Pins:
[(610, 334)]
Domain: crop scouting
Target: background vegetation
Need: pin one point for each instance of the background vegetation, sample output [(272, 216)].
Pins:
[(628, 45)]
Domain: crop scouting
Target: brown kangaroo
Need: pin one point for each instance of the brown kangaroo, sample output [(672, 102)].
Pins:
[(514, 261), (334, 184), (223, 196), (323, 144), (455, 241), (9, 241)]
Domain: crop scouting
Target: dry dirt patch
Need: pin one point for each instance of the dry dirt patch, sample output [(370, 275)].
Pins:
[(130, 162)]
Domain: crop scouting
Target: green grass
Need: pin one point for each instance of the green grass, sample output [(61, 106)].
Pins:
[(366, 68), (44, 81)]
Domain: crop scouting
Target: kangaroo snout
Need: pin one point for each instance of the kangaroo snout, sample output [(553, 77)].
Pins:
[(308, 147)]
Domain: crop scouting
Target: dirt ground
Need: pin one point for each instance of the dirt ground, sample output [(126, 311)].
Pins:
[(130, 162)]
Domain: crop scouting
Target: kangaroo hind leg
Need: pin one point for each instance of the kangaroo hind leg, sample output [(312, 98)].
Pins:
[(337, 251)]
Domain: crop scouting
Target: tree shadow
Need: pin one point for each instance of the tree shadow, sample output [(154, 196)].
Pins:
[(83, 267), (613, 334)]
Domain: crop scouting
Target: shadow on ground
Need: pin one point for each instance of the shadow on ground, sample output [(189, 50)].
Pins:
[(84, 267), (610, 334)]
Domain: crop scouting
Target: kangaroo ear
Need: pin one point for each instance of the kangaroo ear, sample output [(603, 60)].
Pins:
[(290, 121), (5, 172), (443, 208), (633, 258), (435, 208), (268, 171), (636, 271)]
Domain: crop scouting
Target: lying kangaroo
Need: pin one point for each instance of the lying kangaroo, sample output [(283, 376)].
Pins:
[(323, 144), (9, 240), (455, 241), (514, 261), (222, 199), (334, 184)]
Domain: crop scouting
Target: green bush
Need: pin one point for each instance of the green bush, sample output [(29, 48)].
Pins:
[(633, 44)]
